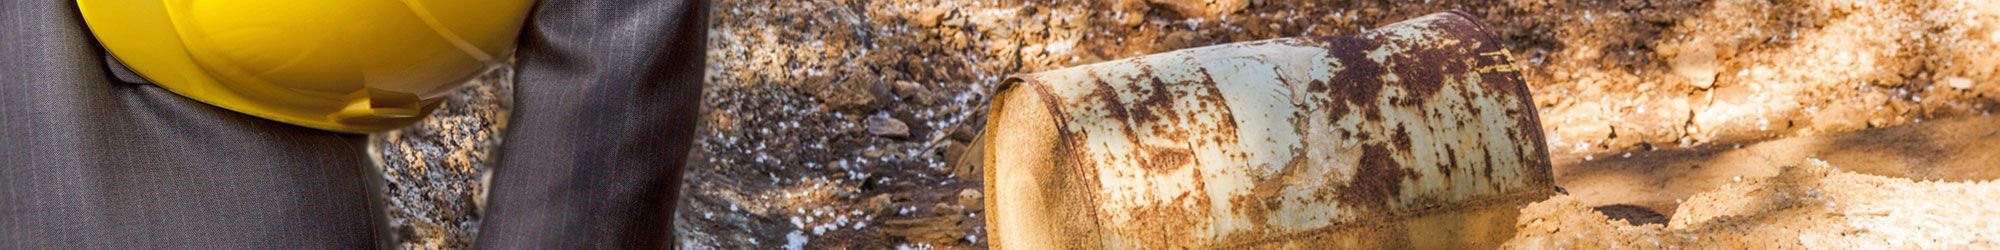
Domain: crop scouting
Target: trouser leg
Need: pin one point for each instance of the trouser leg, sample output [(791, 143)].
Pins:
[(606, 98), (88, 162)]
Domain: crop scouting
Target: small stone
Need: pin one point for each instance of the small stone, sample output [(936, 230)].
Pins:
[(886, 126), (971, 199), (1958, 82), (855, 95), (930, 17), (1697, 65), (1181, 39), (1131, 19), (913, 92), (952, 20), (879, 203), (1202, 8)]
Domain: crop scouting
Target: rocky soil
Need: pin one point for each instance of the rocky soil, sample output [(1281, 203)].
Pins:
[(806, 148), (1692, 73), (434, 168), (835, 123)]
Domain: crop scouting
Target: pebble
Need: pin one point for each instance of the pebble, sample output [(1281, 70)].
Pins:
[(1697, 64), (879, 203), (853, 96), (930, 17), (913, 92), (971, 199), (1202, 8), (890, 127), (1958, 82)]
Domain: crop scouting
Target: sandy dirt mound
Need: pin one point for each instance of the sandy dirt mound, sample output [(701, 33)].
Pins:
[(1812, 206), (1959, 149)]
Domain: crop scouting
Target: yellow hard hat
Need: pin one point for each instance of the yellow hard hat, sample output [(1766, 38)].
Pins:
[(356, 66)]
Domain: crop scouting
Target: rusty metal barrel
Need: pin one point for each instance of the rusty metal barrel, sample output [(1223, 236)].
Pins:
[(1417, 134)]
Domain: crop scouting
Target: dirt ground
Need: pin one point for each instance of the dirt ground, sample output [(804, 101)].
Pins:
[(1811, 206), (832, 124), (434, 169), (1953, 150)]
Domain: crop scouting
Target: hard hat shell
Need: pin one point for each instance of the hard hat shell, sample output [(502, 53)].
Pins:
[(355, 66)]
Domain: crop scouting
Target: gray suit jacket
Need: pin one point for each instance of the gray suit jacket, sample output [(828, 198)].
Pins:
[(606, 100)]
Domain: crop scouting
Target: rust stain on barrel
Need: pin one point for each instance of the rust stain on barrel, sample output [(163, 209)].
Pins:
[(1157, 107), (1361, 81), (1377, 180)]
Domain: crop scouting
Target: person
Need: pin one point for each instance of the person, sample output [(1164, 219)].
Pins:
[(91, 158)]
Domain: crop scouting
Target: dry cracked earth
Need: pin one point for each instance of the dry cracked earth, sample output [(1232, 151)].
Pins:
[(835, 124)]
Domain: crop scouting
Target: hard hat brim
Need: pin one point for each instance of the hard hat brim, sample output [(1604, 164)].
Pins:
[(137, 33)]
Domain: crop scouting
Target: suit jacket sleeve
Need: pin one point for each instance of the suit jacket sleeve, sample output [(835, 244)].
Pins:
[(607, 96)]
